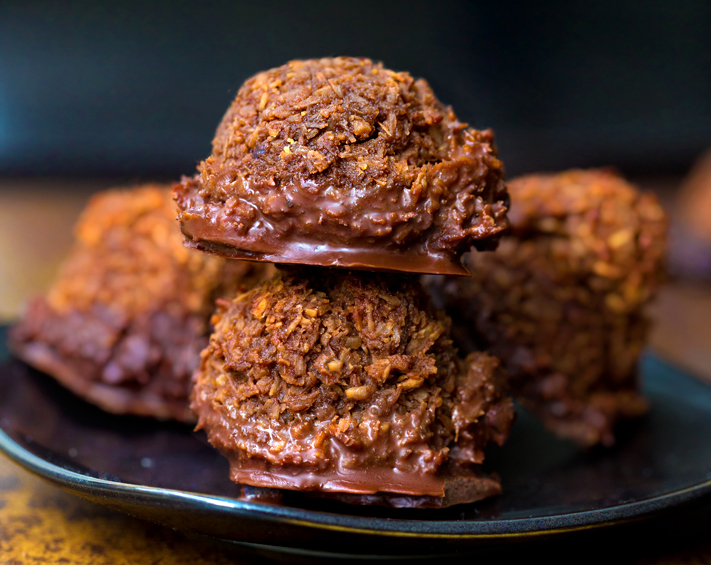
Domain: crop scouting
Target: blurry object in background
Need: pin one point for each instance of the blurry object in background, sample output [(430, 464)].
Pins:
[(124, 323), (695, 199), (562, 301), (36, 217), (690, 250)]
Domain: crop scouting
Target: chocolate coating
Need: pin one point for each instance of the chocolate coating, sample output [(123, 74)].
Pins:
[(347, 383), (341, 162), (124, 323), (562, 300)]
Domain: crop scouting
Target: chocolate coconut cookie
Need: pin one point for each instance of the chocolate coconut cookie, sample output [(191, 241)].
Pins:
[(348, 384), (124, 323), (341, 162), (561, 302)]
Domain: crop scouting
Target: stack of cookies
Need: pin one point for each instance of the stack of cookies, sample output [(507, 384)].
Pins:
[(289, 318), (326, 378)]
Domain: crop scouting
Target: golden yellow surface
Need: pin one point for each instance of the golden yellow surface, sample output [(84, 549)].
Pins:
[(42, 524)]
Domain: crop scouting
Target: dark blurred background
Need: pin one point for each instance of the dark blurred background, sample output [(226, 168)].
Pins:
[(129, 89)]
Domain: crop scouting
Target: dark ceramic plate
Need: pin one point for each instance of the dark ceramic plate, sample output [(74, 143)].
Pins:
[(168, 474)]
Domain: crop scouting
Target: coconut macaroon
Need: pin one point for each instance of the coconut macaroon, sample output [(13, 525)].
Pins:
[(347, 383), (341, 162), (562, 300), (123, 324)]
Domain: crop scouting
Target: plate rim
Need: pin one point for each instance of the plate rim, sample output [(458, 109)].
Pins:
[(112, 493), (86, 486)]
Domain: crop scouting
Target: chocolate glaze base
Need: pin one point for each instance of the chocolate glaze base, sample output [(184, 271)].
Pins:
[(462, 489), (374, 485), (202, 234), (114, 399), (356, 481), (456, 485)]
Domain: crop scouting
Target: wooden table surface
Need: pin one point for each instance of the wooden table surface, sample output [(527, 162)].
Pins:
[(41, 524)]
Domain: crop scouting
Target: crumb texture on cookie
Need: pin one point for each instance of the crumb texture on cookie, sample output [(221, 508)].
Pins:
[(341, 161), (345, 382)]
